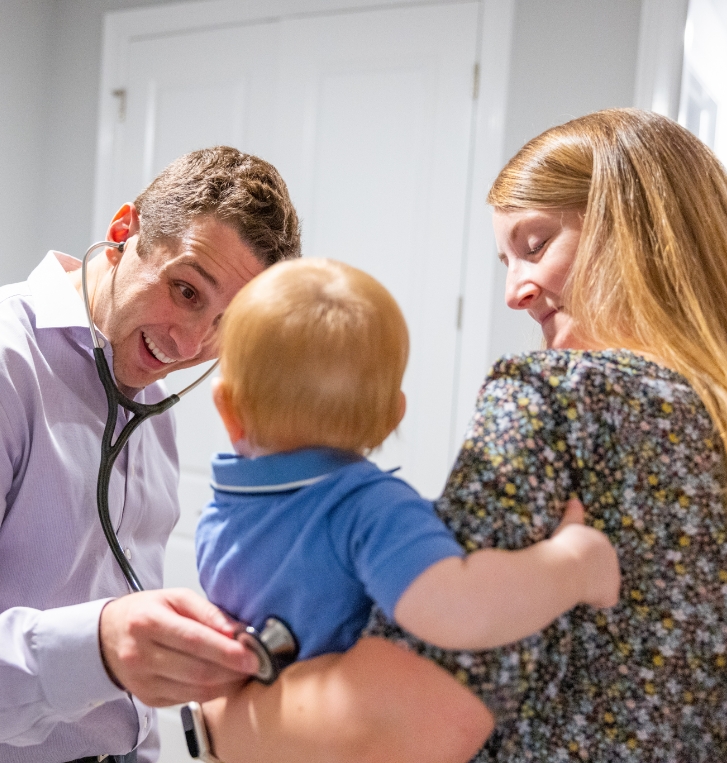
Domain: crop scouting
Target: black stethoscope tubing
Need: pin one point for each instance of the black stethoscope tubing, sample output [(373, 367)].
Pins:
[(141, 412)]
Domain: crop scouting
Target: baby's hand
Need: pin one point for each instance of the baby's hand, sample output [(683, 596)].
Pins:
[(600, 572)]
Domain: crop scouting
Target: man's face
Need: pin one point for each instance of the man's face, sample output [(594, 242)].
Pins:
[(161, 311)]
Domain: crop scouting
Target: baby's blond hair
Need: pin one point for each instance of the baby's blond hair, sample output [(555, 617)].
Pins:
[(312, 354)]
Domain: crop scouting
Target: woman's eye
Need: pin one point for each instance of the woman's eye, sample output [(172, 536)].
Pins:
[(535, 249)]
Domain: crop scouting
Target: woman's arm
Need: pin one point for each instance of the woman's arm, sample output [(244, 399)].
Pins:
[(377, 703)]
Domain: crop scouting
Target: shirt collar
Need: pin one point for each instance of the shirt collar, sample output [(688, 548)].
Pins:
[(278, 472), (57, 303)]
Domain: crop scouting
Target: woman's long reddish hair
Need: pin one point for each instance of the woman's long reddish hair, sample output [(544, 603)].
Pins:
[(650, 272)]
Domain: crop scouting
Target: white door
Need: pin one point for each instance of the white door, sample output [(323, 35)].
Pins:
[(373, 125), (367, 115)]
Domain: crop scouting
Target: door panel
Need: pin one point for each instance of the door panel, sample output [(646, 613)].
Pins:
[(373, 121), (188, 91)]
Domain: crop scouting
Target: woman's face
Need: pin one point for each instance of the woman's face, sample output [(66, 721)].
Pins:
[(538, 247)]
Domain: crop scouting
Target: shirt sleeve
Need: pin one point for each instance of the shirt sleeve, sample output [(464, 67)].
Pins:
[(50, 670), (50, 663), (508, 490), (389, 539)]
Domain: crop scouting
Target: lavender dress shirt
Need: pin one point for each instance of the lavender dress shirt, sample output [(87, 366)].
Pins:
[(56, 570)]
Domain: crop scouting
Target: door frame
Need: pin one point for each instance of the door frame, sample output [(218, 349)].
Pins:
[(660, 56), (486, 150)]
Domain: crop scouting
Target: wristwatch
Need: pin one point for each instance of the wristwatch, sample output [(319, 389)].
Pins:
[(195, 732)]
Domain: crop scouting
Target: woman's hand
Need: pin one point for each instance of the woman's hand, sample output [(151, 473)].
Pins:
[(377, 703)]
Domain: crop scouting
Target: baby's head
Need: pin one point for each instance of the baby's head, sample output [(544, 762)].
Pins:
[(312, 354)]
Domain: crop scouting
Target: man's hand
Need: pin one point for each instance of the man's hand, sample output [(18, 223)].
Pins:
[(172, 646), (601, 576)]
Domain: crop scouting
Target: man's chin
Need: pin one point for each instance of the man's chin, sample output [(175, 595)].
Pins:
[(132, 383)]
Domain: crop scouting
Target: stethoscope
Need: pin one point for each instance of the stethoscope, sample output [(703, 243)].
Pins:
[(275, 645)]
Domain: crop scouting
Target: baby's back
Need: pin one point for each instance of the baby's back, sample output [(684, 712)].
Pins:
[(314, 537)]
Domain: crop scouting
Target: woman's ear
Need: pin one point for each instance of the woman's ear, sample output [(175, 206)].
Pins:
[(228, 414), (124, 225)]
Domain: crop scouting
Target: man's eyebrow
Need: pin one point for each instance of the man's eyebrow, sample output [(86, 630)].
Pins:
[(191, 263)]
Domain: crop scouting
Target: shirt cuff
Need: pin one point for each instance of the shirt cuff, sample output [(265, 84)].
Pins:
[(66, 646)]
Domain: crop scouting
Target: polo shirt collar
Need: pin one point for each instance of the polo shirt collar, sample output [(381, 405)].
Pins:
[(57, 304), (278, 472)]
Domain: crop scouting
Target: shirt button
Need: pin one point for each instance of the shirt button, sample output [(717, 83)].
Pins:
[(127, 553)]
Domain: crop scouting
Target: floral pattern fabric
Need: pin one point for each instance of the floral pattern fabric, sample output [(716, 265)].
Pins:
[(646, 680)]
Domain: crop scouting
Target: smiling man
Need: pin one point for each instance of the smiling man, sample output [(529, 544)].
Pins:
[(80, 661)]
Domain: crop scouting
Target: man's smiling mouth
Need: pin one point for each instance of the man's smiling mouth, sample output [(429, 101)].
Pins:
[(155, 351)]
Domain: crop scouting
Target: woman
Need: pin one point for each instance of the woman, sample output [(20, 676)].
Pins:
[(613, 228)]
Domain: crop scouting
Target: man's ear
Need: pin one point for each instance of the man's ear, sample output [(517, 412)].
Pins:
[(124, 225), (223, 403)]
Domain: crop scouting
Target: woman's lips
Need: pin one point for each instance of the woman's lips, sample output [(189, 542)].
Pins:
[(546, 317)]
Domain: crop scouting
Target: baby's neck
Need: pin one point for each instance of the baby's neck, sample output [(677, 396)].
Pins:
[(244, 448)]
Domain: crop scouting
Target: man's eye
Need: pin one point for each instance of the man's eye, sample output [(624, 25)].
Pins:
[(187, 292)]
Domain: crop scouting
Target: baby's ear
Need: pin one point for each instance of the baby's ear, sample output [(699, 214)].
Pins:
[(223, 402), (402, 406)]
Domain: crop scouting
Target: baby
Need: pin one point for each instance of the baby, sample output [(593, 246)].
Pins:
[(305, 528)]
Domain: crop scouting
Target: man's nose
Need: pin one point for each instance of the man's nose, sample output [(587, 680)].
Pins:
[(520, 290), (192, 336)]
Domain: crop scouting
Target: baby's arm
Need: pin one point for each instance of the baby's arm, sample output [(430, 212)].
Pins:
[(493, 597)]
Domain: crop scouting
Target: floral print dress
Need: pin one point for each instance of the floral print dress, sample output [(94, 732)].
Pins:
[(646, 680)]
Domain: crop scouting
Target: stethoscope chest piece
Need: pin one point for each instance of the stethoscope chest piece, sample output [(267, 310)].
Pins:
[(275, 646)]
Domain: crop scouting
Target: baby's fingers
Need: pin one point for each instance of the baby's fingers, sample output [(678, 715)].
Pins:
[(607, 583), (574, 514)]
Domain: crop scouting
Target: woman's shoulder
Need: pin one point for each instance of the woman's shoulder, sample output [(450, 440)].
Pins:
[(592, 375)]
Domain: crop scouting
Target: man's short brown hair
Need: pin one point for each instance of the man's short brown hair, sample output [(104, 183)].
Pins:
[(240, 190)]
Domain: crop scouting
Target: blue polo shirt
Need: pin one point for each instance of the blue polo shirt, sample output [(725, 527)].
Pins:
[(314, 537)]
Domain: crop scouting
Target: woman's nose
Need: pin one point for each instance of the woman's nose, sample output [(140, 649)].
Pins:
[(520, 290)]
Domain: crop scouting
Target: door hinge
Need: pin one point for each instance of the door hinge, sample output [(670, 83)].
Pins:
[(476, 82), (120, 93)]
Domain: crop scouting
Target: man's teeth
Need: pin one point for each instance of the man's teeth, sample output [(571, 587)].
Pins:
[(155, 351)]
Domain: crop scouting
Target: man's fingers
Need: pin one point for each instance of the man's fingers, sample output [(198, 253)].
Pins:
[(180, 675), (146, 643), (188, 604), (177, 631)]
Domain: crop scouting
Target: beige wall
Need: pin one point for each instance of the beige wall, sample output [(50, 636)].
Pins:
[(569, 57), (50, 53), (24, 65)]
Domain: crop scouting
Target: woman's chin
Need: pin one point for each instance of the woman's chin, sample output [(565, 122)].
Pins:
[(565, 340)]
